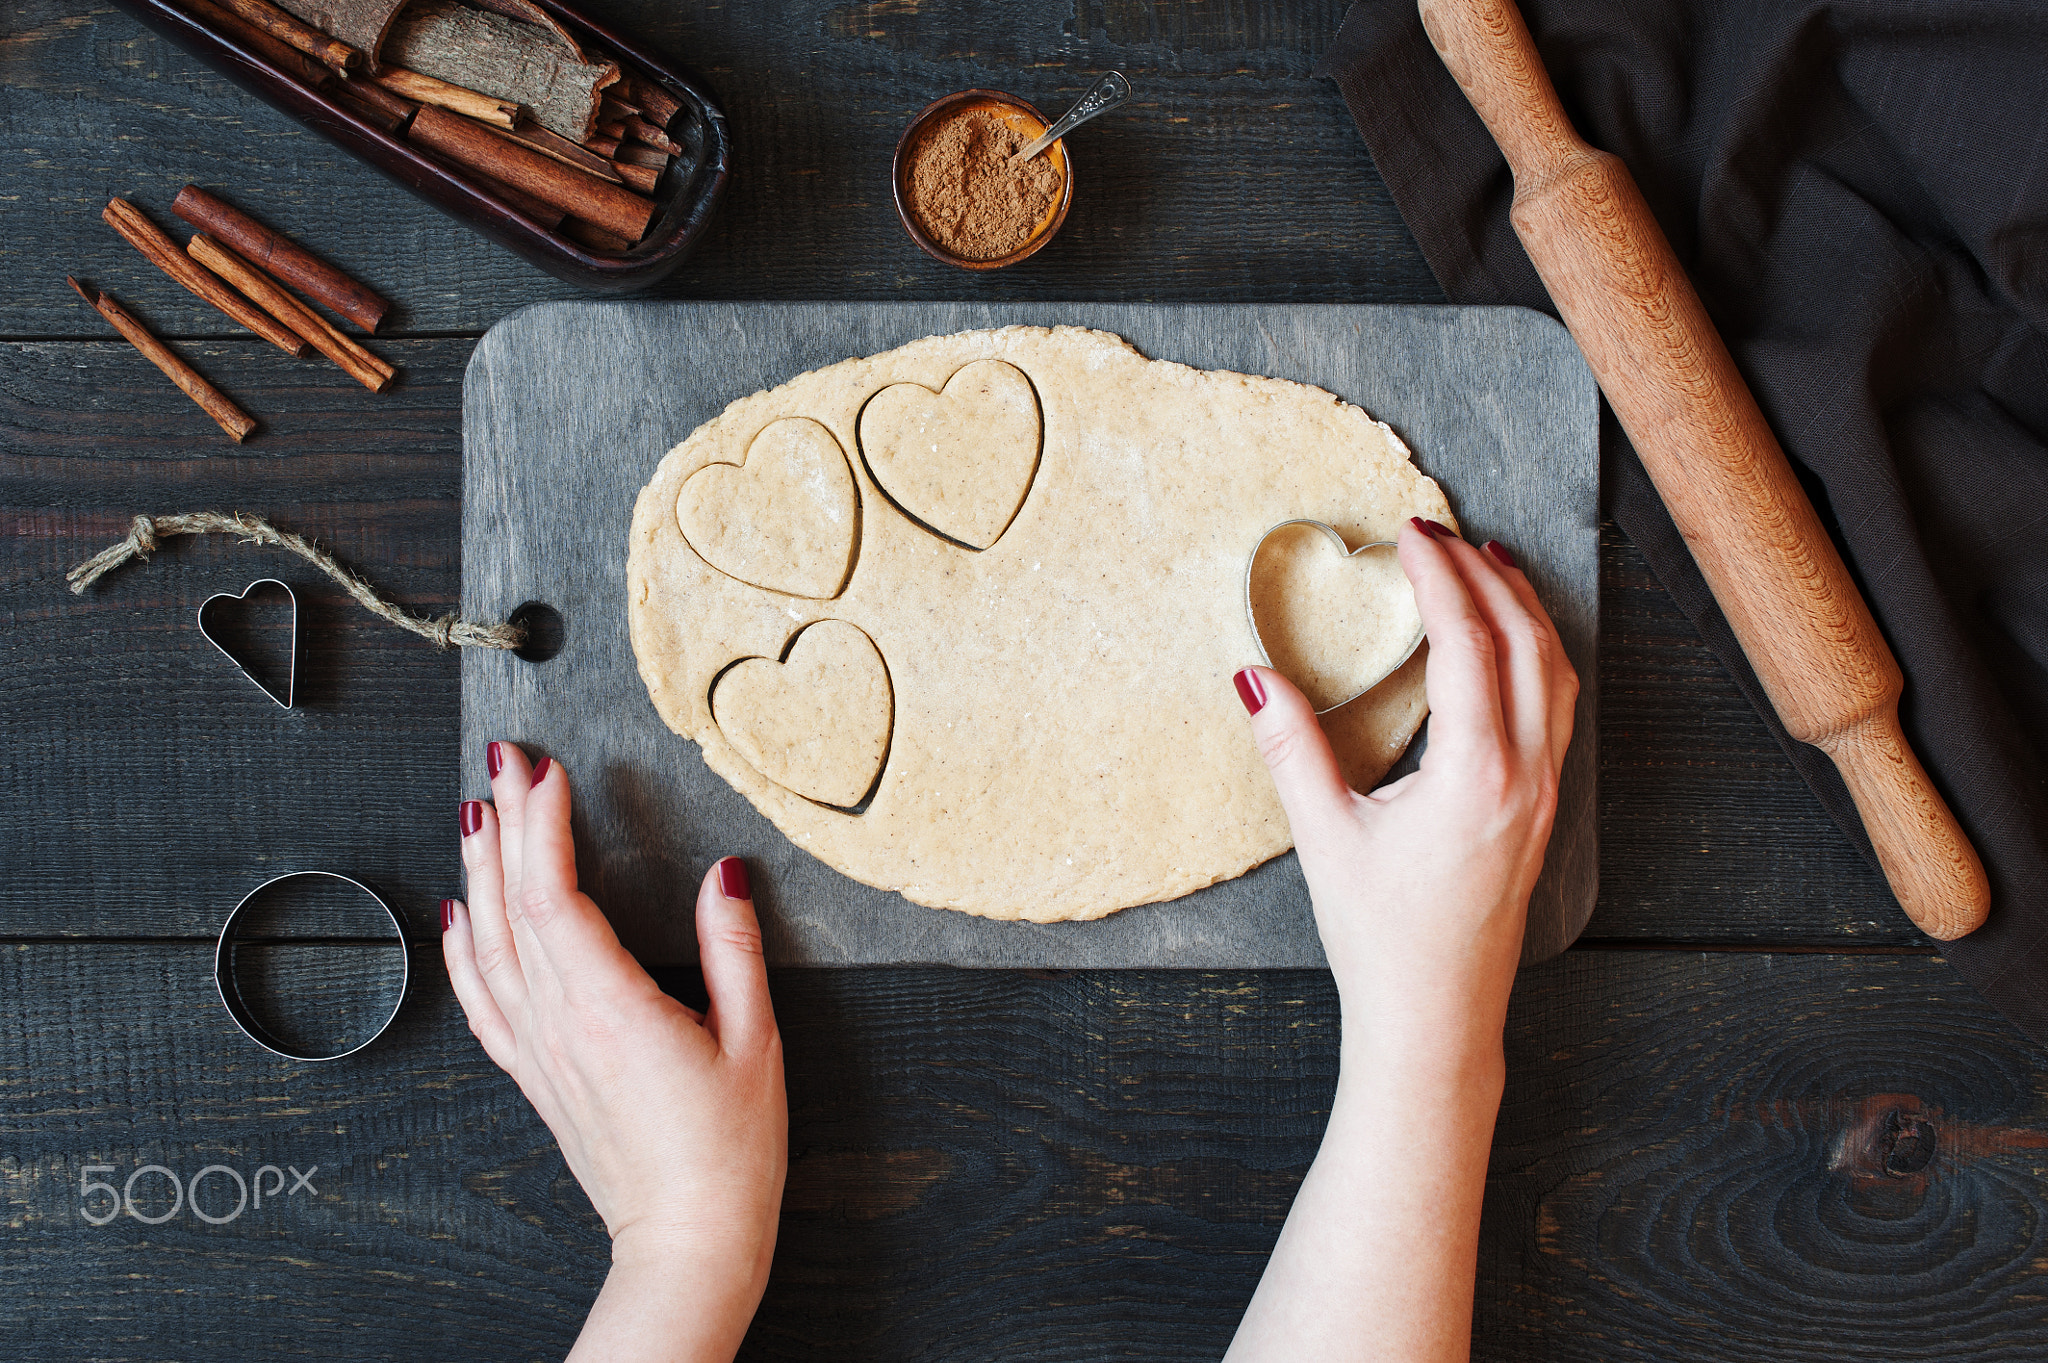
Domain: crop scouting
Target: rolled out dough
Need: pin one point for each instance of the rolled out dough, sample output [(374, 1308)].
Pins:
[(1062, 736)]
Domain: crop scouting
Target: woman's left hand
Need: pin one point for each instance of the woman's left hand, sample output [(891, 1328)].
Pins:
[(674, 1122)]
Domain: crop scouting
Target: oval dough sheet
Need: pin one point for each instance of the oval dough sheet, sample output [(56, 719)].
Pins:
[(816, 722), (1066, 739)]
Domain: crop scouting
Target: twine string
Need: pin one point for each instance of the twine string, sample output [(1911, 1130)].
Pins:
[(145, 532)]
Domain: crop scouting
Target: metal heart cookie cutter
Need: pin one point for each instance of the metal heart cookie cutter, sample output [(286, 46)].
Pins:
[(1251, 615), (291, 675)]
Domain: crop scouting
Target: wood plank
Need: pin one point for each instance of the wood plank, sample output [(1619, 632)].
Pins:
[(1231, 175), (1690, 1164), (148, 784)]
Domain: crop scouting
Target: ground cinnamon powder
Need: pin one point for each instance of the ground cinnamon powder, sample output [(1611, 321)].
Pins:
[(966, 194)]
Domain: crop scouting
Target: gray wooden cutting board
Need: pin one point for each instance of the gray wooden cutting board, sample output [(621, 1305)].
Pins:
[(569, 407)]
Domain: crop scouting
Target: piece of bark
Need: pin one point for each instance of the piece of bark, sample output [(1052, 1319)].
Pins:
[(281, 256), (640, 130), (361, 24), (286, 28), (358, 363), (534, 14), (146, 237), (530, 134), (613, 207), (633, 154), (230, 418), (595, 237), (424, 89), (279, 54), (518, 63), (642, 178)]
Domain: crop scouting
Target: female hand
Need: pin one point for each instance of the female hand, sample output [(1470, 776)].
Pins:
[(1421, 888), (1421, 891), (674, 1122)]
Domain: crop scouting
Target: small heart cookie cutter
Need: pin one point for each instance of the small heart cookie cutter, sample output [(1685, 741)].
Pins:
[(291, 676), (1265, 655)]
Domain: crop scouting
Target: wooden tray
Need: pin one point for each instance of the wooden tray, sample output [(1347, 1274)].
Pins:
[(1495, 402), (684, 199)]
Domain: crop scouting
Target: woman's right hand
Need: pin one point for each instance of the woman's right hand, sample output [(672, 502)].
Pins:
[(1421, 888)]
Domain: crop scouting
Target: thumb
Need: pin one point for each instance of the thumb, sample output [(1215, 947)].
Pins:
[(1305, 773), (729, 949)]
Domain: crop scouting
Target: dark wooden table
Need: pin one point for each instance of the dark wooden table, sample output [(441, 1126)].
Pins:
[(1751, 1116)]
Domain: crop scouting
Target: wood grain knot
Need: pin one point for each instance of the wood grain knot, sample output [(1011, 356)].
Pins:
[(1906, 1143)]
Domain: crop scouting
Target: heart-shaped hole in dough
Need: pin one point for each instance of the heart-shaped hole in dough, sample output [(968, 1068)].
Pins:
[(818, 721), (960, 460), (1331, 620), (786, 520)]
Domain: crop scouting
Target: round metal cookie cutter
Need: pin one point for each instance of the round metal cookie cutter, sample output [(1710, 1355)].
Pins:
[(1251, 616), (231, 991)]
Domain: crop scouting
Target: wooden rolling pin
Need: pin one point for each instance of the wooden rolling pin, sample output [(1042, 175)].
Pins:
[(1785, 591)]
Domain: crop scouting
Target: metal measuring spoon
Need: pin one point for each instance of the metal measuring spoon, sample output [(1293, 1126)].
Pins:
[(1102, 96)]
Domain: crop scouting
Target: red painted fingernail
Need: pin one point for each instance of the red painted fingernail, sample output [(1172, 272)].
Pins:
[(1421, 525), (447, 913), (472, 816), (1442, 532), (1500, 551), (1250, 691), (540, 770), (732, 879), (494, 761)]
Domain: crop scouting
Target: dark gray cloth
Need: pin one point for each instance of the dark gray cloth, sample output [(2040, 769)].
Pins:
[(1860, 193)]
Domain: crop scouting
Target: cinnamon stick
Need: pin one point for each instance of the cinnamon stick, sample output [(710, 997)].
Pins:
[(614, 208), (657, 104), (232, 419), (640, 130), (283, 56), (348, 94), (391, 110), (270, 19), (427, 89), (146, 237), (282, 257), (359, 363), (547, 215), (636, 155), (611, 108), (616, 132), (602, 146), (533, 136), (642, 178), (596, 238)]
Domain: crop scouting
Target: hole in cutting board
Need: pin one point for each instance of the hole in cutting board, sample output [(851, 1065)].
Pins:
[(545, 630)]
